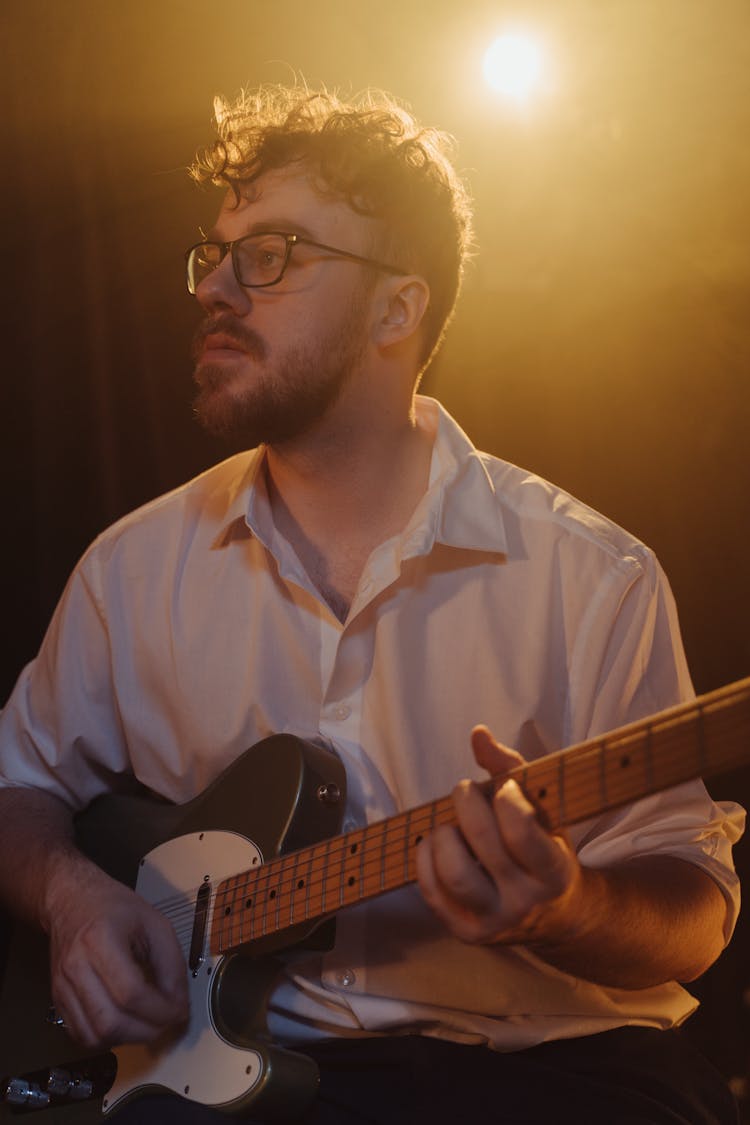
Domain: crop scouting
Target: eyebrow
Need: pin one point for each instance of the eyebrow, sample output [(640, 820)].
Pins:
[(283, 226)]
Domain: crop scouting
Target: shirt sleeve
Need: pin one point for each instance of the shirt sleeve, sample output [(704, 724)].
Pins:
[(60, 730), (637, 668)]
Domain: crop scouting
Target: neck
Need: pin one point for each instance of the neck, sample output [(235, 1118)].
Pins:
[(337, 495)]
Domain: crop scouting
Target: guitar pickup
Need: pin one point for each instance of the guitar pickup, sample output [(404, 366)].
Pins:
[(196, 955)]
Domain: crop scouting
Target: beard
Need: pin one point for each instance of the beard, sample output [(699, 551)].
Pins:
[(279, 400)]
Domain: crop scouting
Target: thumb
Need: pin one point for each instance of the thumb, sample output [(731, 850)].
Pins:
[(492, 755)]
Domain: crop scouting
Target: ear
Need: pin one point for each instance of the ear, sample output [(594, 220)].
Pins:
[(401, 308)]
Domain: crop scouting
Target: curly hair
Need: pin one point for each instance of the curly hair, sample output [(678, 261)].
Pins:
[(370, 152)]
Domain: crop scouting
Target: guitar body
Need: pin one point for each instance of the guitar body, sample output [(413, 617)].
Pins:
[(244, 871), (281, 795)]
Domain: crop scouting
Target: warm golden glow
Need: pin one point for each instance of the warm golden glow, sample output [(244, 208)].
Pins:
[(513, 66)]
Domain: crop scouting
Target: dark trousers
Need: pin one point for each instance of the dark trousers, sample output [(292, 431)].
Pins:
[(630, 1076)]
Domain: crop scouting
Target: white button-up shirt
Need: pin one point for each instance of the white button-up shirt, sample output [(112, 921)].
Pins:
[(190, 630)]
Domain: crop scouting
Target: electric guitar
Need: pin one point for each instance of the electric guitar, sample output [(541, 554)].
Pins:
[(253, 867)]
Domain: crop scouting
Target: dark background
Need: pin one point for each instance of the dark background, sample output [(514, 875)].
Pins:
[(603, 338)]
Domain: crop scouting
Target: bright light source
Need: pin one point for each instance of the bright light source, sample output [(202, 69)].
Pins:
[(513, 66)]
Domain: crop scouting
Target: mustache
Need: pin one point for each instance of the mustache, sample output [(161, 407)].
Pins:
[(227, 324)]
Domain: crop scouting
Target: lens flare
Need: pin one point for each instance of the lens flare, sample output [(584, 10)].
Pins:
[(513, 66)]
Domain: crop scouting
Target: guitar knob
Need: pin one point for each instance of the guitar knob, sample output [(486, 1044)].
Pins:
[(20, 1092), (329, 793)]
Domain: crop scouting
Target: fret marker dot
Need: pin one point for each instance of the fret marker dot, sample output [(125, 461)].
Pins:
[(625, 761), (272, 894), (542, 793), (417, 840), (300, 884), (227, 911), (353, 848), (248, 903), (352, 880)]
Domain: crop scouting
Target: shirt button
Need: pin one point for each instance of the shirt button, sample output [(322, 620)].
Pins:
[(342, 712), (346, 978)]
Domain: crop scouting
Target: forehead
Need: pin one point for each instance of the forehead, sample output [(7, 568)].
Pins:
[(288, 200)]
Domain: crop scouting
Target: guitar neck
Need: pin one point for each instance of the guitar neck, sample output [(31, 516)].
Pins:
[(707, 736)]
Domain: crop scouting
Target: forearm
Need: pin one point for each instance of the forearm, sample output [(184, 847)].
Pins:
[(37, 850), (117, 970), (637, 924)]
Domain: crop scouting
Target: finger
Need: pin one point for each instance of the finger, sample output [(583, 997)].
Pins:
[(480, 828), (164, 966), (526, 866), (450, 878), (93, 1013), (71, 1012), (544, 857), (142, 980), (110, 984), (491, 755), (517, 886)]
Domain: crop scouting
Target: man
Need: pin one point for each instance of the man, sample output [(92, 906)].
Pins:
[(367, 580)]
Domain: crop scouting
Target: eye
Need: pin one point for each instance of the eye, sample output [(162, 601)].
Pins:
[(262, 257)]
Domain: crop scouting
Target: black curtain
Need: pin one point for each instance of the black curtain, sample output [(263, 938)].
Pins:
[(635, 398)]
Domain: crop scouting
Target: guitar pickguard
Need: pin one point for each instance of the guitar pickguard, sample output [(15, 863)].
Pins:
[(276, 792), (201, 1064)]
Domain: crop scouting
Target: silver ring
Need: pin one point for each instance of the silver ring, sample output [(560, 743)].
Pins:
[(54, 1018)]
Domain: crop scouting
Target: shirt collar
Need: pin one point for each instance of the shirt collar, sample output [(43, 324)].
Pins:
[(461, 494), (460, 508)]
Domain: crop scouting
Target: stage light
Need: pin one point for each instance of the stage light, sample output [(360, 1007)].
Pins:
[(513, 66)]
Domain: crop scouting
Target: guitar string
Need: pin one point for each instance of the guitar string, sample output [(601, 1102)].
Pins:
[(575, 791), (370, 835), (272, 916), (273, 913)]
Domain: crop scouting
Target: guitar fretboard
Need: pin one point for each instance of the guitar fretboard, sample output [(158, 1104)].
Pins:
[(707, 736)]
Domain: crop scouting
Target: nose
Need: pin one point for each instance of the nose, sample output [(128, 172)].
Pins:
[(220, 291)]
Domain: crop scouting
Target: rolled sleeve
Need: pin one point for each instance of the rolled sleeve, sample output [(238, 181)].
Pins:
[(60, 730)]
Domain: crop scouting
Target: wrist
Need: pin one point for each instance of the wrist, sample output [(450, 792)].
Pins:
[(572, 918), (65, 873)]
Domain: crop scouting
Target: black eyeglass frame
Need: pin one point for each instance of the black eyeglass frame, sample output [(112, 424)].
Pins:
[(291, 241)]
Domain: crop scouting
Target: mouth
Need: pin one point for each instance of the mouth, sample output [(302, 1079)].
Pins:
[(219, 343)]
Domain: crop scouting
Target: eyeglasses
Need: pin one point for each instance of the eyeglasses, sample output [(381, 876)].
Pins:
[(260, 260)]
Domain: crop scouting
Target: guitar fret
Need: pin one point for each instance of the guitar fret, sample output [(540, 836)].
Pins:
[(372, 874), (219, 907), (315, 886), (604, 773), (264, 881), (541, 782), (308, 884), (626, 769), (393, 866), (293, 889), (234, 921), (285, 895), (336, 873), (407, 833), (350, 872)]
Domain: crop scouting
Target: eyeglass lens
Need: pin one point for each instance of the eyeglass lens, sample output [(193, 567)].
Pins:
[(259, 260)]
